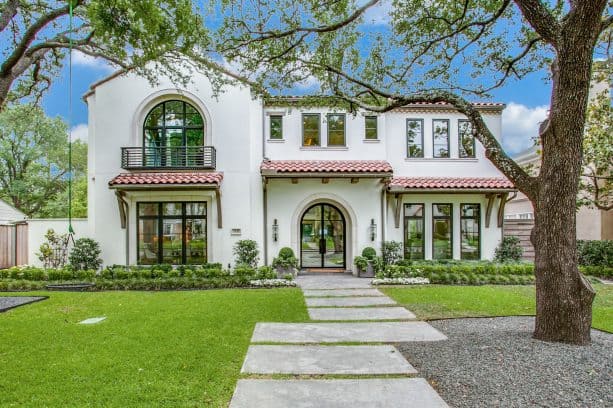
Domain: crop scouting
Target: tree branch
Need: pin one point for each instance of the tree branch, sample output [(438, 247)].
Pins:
[(8, 12), (543, 22)]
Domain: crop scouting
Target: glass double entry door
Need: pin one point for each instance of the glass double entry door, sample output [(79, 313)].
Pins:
[(322, 232)]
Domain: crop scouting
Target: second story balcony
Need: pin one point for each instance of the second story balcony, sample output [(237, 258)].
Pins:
[(168, 158)]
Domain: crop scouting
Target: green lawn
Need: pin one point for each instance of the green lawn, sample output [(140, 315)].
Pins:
[(155, 348), (442, 301)]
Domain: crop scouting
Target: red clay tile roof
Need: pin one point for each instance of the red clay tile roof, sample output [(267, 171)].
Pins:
[(450, 183), (326, 166), (167, 178)]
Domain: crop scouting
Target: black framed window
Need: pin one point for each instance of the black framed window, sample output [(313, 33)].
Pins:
[(415, 138), (172, 134), (172, 232), (336, 129), (466, 139), (470, 231), (440, 138), (442, 231), (414, 223), (310, 129), (276, 127), (370, 128)]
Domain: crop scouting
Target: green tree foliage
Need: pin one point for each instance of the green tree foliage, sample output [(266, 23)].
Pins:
[(596, 188), (34, 162), (126, 33)]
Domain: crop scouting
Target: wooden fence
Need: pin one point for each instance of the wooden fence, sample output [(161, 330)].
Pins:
[(13, 245), (522, 230)]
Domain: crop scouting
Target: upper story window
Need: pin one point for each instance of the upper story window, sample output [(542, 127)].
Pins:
[(310, 129), (466, 139), (440, 137), (173, 123), (276, 127), (370, 128), (415, 138), (336, 129)]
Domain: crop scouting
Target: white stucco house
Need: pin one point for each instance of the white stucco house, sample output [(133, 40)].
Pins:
[(178, 176)]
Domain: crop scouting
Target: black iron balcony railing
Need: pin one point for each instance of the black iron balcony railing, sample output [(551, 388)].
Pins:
[(178, 157)]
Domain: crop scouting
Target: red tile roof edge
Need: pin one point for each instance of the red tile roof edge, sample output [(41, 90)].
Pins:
[(326, 166), (167, 178), (448, 183)]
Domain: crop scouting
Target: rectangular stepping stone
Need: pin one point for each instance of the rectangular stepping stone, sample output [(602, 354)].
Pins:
[(380, 332), (360, 313), (332, 282), (11, 302), (358, 393), (350, 301), (341, 292), (325, 360)]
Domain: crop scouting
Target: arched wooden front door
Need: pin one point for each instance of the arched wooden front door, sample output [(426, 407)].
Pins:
[(322, 237)]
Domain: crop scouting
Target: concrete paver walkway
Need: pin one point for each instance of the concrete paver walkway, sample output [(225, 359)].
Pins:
[(349, 301), (360, 313), (362, 393), (333, 298), (382, 359)]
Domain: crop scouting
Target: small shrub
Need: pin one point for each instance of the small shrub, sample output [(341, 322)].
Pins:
[(369, 253), (246, 253), (360, 262), (288, 277), (509, 250), (286, 259), (244, 271), (391, 252), (595, 253), (85, 255), (265, 272), (54, 251)]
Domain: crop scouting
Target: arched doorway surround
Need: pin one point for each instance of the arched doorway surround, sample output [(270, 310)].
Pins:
[(322, 237), (345, 210)]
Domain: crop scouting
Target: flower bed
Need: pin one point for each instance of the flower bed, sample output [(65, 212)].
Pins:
[(400, 281)]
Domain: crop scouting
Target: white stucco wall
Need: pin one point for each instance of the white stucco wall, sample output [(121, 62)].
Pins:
[(233, 125), (37, 228), (237, 125)]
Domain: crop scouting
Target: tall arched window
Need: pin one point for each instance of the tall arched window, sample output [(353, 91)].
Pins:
[(173, 135)]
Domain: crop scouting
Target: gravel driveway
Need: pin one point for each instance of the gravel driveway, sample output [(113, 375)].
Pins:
[(494, 362)]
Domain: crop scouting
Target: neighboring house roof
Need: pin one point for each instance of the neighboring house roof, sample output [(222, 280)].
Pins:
[(450, 183), (9, 214), (298, 167), (212, 179)]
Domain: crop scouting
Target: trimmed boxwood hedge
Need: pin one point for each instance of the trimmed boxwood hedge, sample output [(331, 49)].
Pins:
[(117, 277)]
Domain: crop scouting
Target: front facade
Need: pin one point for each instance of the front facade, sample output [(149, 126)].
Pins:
[(179, 176)]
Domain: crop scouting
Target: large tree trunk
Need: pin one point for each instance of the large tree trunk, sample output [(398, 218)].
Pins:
[(563, 296)]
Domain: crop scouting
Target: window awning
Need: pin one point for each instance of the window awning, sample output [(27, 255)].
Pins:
[(325, 168)]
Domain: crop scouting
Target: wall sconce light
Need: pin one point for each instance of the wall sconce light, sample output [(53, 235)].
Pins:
[(275, 230), (373, 230)]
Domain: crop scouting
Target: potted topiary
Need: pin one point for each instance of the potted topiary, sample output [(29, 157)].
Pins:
[(286, 263), (364, 263)]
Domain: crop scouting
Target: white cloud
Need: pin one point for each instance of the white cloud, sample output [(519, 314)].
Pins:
[(520, 126), (83, 60), (79, 132), (379, 14)]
